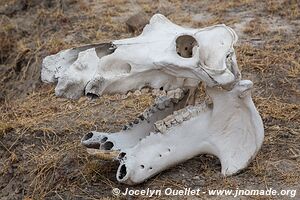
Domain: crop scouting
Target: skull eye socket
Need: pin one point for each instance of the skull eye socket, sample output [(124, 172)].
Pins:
[(185, 45)]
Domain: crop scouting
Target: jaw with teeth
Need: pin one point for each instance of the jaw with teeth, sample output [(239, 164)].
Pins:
[(230, 128), (175, 59), (109, 144), (164, 56), (234, 137)]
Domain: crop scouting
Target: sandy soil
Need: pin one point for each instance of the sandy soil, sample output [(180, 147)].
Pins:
[(41, 157)]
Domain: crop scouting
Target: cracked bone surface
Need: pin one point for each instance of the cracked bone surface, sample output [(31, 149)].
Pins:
[(165, 55), (230, 129)]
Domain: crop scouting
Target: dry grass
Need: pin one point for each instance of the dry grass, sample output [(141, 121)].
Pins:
[(40, 133), (42, 111)]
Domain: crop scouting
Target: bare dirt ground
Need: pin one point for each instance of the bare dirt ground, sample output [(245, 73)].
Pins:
[(40, 152)]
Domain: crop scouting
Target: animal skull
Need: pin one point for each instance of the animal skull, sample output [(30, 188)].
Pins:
[(174, 59), (151, 59)]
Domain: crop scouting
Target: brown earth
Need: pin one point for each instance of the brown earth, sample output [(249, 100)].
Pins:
[(41, 157)]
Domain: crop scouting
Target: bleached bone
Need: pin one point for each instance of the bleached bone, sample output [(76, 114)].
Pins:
[(230, 129), (167, 58), (164, 56), (108, 143)]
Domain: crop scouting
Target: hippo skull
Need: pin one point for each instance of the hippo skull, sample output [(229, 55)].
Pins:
[(164, 56), (171, 59)]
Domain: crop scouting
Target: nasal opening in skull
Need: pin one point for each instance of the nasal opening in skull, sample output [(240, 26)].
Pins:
[(185, 45)]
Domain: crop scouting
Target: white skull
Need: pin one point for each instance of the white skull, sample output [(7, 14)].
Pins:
[(172, 58), (164, 56)]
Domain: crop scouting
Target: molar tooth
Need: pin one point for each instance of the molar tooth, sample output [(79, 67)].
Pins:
[(123, 96), (137, 93), (168, 124), (174, 122), (162, 93), (163, 129), (179, 118), (168, 120), (186, 115), (145, 90), (160, 126), (128, 94), (171, 94), (146, 115), (178, 94), (158, 92), (136, 121), (155, 92), (176, 112)]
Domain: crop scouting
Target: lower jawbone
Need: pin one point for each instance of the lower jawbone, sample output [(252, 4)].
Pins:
[(165, 135)]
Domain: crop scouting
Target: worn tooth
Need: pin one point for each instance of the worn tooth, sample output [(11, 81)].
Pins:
[(176, 112), (125, 128), (130, 124), (168, 121), (178, 94), (160, 126), (145, 90), (128, 94), (155, 92), (186, 115), (168, 124), (163, 93), (136, 121), (123, 96), (158, 92), (137, 93), (146, 115), (179, 118), (171, 94), (174, 122)]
